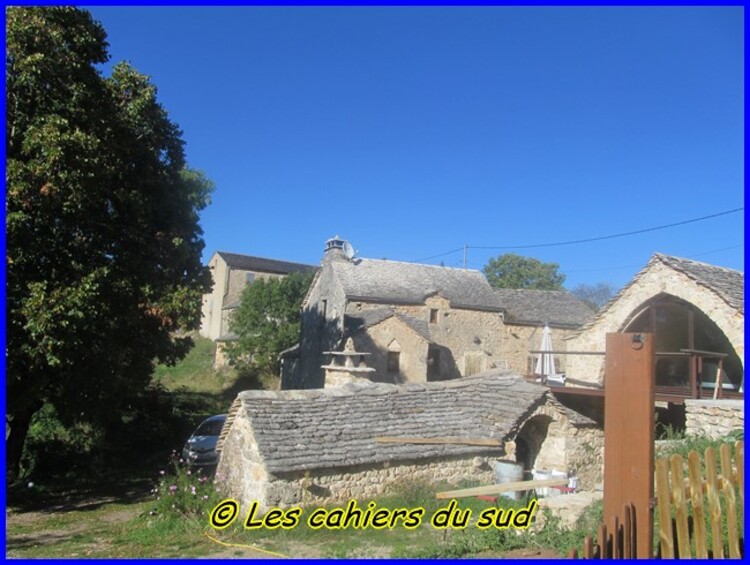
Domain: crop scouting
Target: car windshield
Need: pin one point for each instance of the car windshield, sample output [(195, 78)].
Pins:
[(212, 428)]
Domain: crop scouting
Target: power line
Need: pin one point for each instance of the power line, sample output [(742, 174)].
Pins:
[(613, 236), (587, 240)]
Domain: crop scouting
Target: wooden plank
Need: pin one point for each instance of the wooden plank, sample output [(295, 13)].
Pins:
[(627, 533), (666, 536), (733, 537), (588, 547), (616, 538), (714, 503), (739, 457), (490, 442), (629, 431), (504, 487), (680, 506), (603, 542), (696, 498)]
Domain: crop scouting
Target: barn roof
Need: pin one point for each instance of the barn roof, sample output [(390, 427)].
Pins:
[(558, 308), (394, 282), (263, 265), (298, 430), (727, 284)]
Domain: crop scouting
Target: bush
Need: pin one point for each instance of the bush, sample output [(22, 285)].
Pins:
[(182, 492)]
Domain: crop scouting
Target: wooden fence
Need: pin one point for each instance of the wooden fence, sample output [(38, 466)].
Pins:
[(685, 506)]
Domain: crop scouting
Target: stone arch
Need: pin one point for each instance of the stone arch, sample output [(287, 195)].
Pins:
[(679, 324), (656, 281), (530, 440)]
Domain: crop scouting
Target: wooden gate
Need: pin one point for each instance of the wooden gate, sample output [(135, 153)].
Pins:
[(693, 521), (629, 473)]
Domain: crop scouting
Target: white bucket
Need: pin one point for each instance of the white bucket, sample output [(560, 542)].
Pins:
[(508, 472)]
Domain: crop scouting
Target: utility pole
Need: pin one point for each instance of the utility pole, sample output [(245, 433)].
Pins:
[(465, 248)]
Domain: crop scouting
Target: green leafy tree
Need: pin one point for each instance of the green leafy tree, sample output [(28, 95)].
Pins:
[(103, 258), (595, 295), (516, 271), (267, 321)]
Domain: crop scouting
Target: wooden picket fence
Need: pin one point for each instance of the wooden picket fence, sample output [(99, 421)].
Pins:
[(682, 533)]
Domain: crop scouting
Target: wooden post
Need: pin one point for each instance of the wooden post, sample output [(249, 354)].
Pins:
[(629, 434)]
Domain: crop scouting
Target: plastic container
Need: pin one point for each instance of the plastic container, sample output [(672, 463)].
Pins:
[(508, 472)]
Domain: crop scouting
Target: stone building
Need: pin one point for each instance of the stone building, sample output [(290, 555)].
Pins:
[(311, 447), (418, 322), (231, 273), (696, 313), (527, 311), (687, 304)]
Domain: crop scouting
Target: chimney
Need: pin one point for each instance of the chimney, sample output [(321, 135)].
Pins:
[(337, 249)]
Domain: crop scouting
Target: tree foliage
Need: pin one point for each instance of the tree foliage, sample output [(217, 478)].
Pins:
[(267, 320), (595, 295), (104, 248), (515, 271)]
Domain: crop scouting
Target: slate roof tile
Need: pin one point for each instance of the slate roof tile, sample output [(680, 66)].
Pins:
[(328, 428)]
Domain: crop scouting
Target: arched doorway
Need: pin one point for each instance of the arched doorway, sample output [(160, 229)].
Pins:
[(679, 327), (530, 440)]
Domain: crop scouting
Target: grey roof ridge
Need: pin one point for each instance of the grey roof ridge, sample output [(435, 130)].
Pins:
[(664, 259), (664, 256), (420, 264), (225, 253)]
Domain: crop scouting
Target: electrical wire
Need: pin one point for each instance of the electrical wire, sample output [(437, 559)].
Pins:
[(613, 236), (587, 240)]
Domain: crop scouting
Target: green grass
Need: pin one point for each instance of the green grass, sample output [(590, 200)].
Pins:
[(195, 372)]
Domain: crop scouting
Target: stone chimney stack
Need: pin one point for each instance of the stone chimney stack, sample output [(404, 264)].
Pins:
[(337, 249)]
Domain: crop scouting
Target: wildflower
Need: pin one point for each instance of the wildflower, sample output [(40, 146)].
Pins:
[(192, 489), (172, 488), (161, 472)]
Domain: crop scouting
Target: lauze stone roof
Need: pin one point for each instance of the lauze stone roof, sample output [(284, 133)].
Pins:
[(558, 308), (263, 265), (298, 430), (393, 282), (727, 283)]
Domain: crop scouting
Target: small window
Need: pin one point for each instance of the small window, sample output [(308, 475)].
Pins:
[(324, 308), (433, 316), (393, 361), (249, 278)]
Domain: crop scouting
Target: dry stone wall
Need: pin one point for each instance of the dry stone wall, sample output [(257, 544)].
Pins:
[(713, 418), (368, 482)]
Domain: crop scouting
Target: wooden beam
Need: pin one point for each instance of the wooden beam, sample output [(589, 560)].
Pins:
[(442, 440), (504, 487)]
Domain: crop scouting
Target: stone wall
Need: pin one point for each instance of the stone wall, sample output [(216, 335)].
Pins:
[(368, 482), (466, 334), (228, 285), (321, 329), (556, 443), (656, 279), (393, 335), (517, 340), (713, 418)]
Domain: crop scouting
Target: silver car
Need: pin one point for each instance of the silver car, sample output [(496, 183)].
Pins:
[(200, 449)]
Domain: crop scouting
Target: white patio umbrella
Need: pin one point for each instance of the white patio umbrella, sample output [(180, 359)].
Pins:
[(545, 362)]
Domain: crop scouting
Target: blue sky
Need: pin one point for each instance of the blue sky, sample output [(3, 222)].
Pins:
[(414, 131)]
